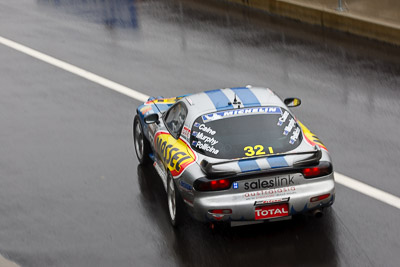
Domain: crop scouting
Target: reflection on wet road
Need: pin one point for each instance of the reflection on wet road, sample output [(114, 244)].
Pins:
[(284, 243), (71, 190)]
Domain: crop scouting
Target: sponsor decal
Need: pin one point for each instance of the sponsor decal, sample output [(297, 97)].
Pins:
[(186, 132), (272, 211), (294, 136), (311, 138), (235, 185), (238, 112), (270, 193), (163, 100), (175, 154), (289, 127), (274, 182), (196, 124), (283, 118), (269, 201), (145, 109)]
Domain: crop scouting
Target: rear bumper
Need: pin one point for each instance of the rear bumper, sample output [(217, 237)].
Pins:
[(242, 204)]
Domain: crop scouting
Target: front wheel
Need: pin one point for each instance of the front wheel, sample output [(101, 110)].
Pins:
[(175, 203), (142, 146)]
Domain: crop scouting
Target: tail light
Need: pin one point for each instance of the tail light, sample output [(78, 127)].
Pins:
[(324, 168), (318, 198), (211, 185)]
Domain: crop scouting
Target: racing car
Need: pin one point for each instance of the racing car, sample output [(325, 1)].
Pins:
[(234, 155)]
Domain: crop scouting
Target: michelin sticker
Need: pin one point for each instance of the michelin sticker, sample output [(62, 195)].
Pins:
[(239, 112)]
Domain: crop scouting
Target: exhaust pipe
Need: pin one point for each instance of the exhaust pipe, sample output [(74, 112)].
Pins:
[(317, 213)]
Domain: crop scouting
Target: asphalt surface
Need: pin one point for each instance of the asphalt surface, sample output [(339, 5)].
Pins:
[(71, 190)]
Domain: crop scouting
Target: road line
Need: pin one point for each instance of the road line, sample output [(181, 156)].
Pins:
[(368, 190), (75, 70), (7, 263), (351, 183)]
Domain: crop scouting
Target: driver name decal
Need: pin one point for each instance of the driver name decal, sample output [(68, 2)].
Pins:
[(175, 154)]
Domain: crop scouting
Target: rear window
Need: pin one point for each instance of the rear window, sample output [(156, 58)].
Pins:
[(247, 132)]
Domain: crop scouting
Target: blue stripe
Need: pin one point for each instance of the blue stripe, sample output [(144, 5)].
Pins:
[(219, 99), (247, 165), (247, 97), (277, 162)]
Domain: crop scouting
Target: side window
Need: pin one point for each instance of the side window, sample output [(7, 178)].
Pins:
[(175, 118)]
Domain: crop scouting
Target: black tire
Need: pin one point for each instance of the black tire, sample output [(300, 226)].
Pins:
[(141, 144), (175, 203)]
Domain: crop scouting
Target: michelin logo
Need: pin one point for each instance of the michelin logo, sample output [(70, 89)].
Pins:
[(238, 112)]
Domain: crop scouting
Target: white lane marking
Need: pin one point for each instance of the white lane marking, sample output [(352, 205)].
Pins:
[(341, 179), (368, 190), (75, 70), (7, 263)]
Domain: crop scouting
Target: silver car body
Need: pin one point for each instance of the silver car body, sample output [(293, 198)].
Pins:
[(256, 183)]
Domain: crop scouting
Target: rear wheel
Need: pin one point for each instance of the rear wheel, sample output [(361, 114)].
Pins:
[(175, 203), (142, 145)]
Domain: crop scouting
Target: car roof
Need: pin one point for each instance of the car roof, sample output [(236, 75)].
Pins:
[(221, 99)]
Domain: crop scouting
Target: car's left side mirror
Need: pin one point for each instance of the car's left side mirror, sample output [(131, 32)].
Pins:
[(151, 118), (292, 102)]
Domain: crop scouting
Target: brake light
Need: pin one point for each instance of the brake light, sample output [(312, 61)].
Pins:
[(311, 172), (318, 198), (212, 185), (324, 168)]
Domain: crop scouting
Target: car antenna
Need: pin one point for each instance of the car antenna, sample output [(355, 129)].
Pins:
[(235, 102)]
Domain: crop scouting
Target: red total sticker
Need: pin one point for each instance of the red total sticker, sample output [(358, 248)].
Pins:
[(272, 211)]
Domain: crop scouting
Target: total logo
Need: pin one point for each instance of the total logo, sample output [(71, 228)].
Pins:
[(272, 211)]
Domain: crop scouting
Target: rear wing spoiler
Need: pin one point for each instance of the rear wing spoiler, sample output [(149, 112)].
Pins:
[(216, 168)]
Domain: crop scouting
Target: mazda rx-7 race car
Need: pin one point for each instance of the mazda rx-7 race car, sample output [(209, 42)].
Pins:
[(235, 155)]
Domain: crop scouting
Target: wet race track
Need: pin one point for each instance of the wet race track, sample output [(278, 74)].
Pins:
[(71, 190)]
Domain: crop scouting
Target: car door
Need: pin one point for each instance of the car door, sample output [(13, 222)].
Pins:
[(169, 147)]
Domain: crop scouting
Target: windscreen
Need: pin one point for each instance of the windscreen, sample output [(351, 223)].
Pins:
[(247, 132)]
